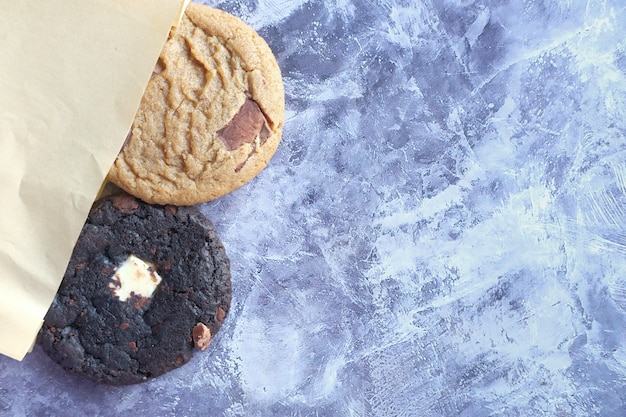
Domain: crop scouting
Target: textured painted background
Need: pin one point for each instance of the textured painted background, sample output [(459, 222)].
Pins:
[(442, 231)]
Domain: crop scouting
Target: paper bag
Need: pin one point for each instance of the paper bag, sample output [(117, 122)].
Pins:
[(72, 75)]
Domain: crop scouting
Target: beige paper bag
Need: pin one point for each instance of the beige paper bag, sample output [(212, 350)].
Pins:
[(72, 73)]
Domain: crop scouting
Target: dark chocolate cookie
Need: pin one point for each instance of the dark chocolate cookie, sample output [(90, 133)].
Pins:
[(146, 285)]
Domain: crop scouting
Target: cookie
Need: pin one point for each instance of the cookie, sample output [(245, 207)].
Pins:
[(145, 287), (211, 116)]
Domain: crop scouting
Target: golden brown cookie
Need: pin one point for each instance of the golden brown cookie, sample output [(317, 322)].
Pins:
[(211, 116)]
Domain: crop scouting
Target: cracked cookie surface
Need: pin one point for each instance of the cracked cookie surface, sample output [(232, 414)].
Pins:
[(142, 279), (211, 116)]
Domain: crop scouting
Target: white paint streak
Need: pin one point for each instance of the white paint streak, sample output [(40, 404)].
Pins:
[(271, 12)]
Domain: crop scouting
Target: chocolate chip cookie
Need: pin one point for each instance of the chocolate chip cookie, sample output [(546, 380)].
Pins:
[(211, 116), (145, 287)]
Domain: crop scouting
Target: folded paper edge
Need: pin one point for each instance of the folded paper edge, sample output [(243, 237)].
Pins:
[(181, 12)]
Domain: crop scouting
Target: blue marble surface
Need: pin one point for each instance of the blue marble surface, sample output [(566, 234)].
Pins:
[(442, 231)]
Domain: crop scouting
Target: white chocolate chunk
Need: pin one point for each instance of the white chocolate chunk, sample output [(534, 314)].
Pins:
[(134, 277)]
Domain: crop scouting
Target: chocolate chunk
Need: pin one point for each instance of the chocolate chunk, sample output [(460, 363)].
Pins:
[(201, 336), (220, 314), (248, 124), (125, 203)]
